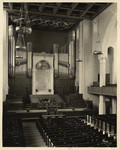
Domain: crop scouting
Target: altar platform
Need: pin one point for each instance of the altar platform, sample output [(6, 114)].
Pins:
[(41, 101)]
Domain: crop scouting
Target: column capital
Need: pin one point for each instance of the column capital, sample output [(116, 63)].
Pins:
[(102, 58), (71, 36), (55, 48)]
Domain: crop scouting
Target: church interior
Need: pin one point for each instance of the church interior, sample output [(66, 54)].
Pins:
[(59, 74)]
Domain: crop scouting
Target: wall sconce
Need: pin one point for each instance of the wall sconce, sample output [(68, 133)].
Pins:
[(97, 53), (79, 60)]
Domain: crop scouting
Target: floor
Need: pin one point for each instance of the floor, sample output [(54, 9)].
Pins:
[(32, 135)]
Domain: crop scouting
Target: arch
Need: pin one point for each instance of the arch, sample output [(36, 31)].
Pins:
[(109, 29), (42, 64)]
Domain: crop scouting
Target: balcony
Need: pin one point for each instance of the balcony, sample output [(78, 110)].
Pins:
[(108, 90)]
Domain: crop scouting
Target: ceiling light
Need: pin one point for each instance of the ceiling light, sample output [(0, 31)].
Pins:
[(24, 27)]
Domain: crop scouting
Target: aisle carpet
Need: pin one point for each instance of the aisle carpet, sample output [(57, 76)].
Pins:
[(32, 135)]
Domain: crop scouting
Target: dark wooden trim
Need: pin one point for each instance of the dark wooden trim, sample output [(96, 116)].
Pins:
[(55, 10), (86, 10), (71, 10), (43, 14), (41, 8)]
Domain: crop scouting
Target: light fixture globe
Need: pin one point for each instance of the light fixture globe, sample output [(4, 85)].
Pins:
[(28, 30), (19, 29)]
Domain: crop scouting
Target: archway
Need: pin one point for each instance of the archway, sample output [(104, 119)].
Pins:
[(107, 34)]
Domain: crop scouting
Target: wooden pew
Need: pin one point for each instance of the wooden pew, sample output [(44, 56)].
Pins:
[(73, 132)]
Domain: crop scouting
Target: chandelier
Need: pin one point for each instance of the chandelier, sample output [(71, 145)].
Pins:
[(23, 27)]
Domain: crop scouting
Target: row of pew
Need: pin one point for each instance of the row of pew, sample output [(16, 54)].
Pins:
[(75, 100), (71, 132), (13, 135), (104, 123)]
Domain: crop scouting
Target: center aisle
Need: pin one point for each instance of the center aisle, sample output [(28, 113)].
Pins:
[(32, 135)]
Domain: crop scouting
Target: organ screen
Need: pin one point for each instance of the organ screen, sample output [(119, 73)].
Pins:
[(42, 79)]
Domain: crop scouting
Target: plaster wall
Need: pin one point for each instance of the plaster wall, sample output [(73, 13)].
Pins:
[(90, 63), (106, 25), (5, 55)]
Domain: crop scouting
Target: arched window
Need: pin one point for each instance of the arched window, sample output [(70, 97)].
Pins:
[(43, 64)]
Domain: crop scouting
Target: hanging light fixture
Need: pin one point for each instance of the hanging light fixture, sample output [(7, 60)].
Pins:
[(28, 29), (20, 43), (24, 27)]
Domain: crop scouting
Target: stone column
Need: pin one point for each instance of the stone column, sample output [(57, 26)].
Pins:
[(5, 54), (81, 57), (71, 54), (114, 105), (56, 59), (102, 60), (102, 106), (29, 59), (81, 77)]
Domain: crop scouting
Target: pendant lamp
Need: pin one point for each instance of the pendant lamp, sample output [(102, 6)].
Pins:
[(20, 43)]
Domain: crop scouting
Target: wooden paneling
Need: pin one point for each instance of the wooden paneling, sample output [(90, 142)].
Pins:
[(64, 86), (23, 86), (20, 86), (43, 40)]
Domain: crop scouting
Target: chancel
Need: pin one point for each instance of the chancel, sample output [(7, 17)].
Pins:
[(59, 74)]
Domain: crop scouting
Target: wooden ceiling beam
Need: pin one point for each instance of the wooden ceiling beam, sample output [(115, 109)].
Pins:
[(55, 10), (10, 5), (41, 8), (71, 10), (86, 10), (89, 11), (100, 4), (43, 14), (65, 8), (26, 6)]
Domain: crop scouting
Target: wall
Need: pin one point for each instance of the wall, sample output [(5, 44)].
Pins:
[(87, 32), (1, 62), (90, 63), (5, 54), (43, 40), (101, 24), (106, 23), (113, 44)]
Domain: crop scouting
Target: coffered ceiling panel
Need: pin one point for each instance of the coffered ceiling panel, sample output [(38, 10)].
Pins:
[(55, 16)]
